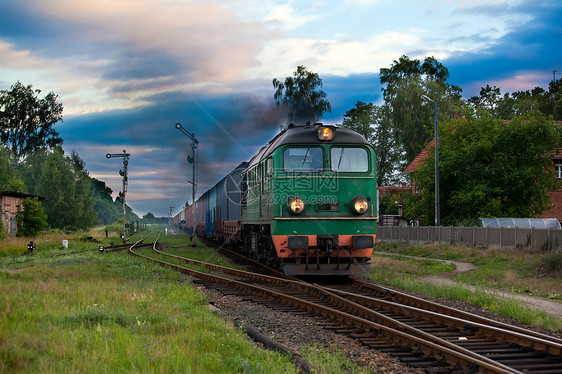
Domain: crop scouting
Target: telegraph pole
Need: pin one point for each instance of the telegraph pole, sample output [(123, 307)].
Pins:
[(192, 160), (122, 173)]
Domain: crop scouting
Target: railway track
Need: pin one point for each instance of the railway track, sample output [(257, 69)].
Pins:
[(522, 349), (420, 338), (31, 261), (365, 292)]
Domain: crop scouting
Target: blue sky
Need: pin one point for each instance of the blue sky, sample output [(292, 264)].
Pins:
[(127, 71)]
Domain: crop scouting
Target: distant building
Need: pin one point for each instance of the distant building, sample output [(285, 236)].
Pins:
[(10, 205), (394, 219), (386, 190), (555, 210), (418, 161)]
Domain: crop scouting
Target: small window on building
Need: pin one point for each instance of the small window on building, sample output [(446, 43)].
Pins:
[(558, 168)]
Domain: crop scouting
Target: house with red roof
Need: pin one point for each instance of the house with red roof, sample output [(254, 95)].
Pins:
[(555, 210)]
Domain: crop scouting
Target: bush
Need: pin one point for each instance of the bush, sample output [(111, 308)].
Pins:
[(33, 219), (553, 262)]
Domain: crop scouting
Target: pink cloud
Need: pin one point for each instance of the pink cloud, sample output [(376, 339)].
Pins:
[(523, 81)]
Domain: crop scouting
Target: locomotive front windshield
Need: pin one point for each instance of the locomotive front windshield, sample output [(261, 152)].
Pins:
[(303, 159), (348, 159)]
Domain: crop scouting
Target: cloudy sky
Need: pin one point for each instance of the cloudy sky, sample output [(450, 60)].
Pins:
[(127, 71)]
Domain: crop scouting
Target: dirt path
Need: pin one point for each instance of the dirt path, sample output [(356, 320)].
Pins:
[(553, 307)]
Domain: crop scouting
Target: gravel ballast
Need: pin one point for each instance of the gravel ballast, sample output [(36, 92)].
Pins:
[(296, 331)]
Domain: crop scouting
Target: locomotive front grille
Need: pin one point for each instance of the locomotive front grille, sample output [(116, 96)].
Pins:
[(297, 242), (328, 207)]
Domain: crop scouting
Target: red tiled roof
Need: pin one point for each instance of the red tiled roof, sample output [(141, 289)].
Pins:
[(420, 159)]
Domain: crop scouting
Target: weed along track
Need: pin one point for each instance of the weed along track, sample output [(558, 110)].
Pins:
[(419, 337)]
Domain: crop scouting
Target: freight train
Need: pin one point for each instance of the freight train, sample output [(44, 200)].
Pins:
[(305, 203)]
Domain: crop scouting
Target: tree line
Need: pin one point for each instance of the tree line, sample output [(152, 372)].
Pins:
[(489, 167), (495, 151), (33, 161)]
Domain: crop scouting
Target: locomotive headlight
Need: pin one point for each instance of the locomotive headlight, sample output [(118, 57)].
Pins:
[(360, 205), (296, 206), (325, 133)]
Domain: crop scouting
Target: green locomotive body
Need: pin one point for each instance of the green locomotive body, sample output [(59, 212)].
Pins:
[(309, 202)]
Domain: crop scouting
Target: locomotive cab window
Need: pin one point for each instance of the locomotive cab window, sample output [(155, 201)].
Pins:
[(349, 159), (303, 159)]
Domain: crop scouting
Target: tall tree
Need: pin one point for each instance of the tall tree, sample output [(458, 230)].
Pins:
[(547, 102), (83, 201), (106, 211), (56, 185), (361, 119), (405, 68), (303, 94), (31, 169), (488, 99), (66, 187), (490, 168), (130, 215), (555, 96), (9, 177), (26, 121), (412, 119)]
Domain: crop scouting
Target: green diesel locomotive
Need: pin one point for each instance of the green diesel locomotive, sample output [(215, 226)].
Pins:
[(306, 203)]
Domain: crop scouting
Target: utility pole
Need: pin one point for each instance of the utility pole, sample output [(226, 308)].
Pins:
[(170, 216), (192, 160), (437, 209), (554, 94), (122, 173)]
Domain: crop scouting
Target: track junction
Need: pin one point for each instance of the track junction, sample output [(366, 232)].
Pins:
[(421, 334)]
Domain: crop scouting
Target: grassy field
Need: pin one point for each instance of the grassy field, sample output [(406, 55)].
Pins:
[(531, 273), (111, 312)]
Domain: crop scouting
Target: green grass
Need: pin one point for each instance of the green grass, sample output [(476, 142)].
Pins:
[(538, 274), (180, 245), (330, 360), (112, 312), (52, 242)]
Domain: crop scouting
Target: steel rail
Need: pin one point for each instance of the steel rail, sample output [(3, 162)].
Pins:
[(436, 346), (345, 303), (432, 306), (239, 256), (525, 340)]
